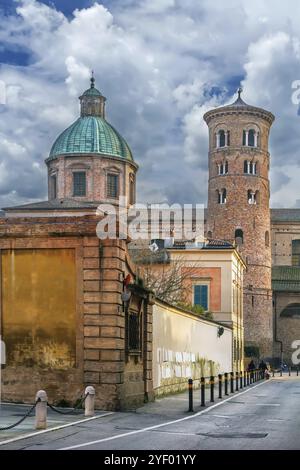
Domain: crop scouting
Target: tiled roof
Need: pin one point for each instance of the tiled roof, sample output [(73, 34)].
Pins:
[(54, 204), (286, 278), (285, 215), (91, 134)]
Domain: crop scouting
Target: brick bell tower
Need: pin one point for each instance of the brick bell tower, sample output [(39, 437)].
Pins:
[(238, 206)]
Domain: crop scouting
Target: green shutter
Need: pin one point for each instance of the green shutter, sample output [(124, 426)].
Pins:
[(201, 296)]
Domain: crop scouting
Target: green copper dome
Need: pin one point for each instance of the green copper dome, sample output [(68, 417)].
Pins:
[(91, 134), (92, 92)]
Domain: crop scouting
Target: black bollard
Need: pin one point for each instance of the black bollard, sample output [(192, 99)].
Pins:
[(226, 383), (289, 371), (297, 371), (202, 390), (212, 389), (231, 382), (241, 379), (280, 372), (191, 408), (236, 381), (273, 373), (245, 378), (220, 385)]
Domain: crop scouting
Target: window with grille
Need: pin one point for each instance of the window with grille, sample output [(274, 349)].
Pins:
[(201, 295), (112, 186), (134, 336), (79, 183)]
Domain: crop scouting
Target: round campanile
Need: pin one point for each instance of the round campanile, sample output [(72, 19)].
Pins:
[(238, 207)]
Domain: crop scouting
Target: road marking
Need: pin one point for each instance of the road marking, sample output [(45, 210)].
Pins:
[(56, 428), (264, 404), (157, 426)]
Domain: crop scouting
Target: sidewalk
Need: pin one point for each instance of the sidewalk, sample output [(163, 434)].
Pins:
[(11, 413)]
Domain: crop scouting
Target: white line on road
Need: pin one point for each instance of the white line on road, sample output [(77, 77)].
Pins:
[(150, 428), (56, 428), (264, 404)]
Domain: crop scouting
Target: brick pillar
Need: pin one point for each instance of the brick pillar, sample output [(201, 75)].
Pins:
[(104, 319)]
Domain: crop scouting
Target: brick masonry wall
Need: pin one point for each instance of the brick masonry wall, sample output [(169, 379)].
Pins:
[(96, 169), (237, 213)]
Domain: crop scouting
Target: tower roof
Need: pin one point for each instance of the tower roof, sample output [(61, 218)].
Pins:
[(239, 106)]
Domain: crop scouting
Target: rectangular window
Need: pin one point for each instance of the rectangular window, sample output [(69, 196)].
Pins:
[(296, 252), (53, 187), (79, 183), (201, 295), (112, 186), (134, 332)]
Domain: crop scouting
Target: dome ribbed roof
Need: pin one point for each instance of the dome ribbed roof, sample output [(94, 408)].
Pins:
[(91, 134), (92, 92)]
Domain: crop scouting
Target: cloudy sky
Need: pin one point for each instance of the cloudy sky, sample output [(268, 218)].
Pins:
[(161, 64)]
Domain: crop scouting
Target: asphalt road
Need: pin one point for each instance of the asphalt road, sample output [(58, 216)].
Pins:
[(266, 416)]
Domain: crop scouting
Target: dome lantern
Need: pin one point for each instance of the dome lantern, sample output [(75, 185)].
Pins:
[(92, 102)]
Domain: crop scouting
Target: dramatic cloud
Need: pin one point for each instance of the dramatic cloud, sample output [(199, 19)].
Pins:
[(161, 64)]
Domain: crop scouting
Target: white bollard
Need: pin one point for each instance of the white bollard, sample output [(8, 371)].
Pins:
[(41, 410), (89, 404)]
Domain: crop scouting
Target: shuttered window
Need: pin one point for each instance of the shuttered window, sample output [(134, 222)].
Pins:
[(201, 296)]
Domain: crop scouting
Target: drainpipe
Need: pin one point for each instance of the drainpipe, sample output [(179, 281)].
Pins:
[(275, 325)]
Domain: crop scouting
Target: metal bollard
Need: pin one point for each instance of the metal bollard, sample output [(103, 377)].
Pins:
[(220, 385), (212, 389), (236, 381), (202, 390), (89, 404), (226, 383), (280, 372), (245, 378), (231, 382), (273, 373), (191, 408), (289, 371), (297, 371), (241, 379), (248, 378), (41, 410)]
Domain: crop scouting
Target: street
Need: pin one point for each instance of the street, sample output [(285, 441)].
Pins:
[(266, 417)]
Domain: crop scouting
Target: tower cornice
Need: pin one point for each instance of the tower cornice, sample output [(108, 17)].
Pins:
[(238, 110)]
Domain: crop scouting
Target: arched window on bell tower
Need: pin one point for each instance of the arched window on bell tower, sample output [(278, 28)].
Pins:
[(222, 168), (250, 168), (222, 196), (222, 138), (239, 236), (253, 197), (250, 138)]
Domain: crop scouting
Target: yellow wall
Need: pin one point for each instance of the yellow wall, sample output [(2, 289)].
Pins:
[(39, 307)]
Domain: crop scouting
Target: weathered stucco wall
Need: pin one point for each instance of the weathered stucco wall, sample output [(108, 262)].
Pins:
[(39, 306), (186, 346)]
